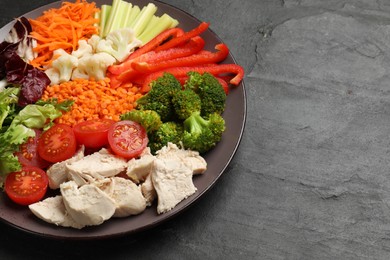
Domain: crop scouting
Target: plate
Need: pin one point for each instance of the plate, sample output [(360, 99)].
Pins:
[(218, 159)]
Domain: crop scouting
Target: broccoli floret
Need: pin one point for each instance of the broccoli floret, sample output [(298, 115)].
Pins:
[(202, 134), (168, 132), (149, 119), (210, 91), (159, 98), (185, 103)]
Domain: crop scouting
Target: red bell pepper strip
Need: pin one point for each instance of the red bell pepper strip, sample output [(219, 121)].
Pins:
[(193, 60), (152, 44), (216, 70), (158, 40), (194, 46), (183, 38), (224, 84)]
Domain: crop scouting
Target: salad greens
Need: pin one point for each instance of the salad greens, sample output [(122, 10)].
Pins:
[(21, 128), (21, 110)]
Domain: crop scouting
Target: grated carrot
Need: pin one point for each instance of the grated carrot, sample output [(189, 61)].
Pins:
[(93, 99), (62, 28)]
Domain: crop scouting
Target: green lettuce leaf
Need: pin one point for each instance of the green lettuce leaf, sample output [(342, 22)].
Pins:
[(21, 128)]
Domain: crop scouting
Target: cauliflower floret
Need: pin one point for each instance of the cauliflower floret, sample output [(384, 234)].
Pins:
[(83, 50), (64, 64), (119, 43), (94, 41), (54, 75), (94, 66)]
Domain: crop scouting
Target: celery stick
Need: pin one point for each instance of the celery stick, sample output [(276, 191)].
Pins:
[(119, 17), (153, 22), (144, 18), (104, 13), (133, 15), (136, 18), (125, 20), (111, 18), (155, 27), (174, 23)]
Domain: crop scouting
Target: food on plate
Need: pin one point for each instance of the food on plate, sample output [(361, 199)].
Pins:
[(90, 187), (92, 99), (127, 139), (26, 186), (62, 28), (172, 180), (126, 194), (111, 107), (57, 144), (57, 173), (95, 166), (139, 168), (28, 152), (87, 204), (93, 133)]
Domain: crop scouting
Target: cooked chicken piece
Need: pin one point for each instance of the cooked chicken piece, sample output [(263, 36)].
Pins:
[(139, 168), (148, 190), (191, 158), (52, 210), (95, 167), (57, 173), (172, 180), (87, 205), (126, 194)]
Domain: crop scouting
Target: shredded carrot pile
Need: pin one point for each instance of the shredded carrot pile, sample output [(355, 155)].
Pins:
[(62, 28), (93, 99)]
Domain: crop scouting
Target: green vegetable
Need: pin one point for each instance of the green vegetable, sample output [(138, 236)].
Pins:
[(149, 119), (156, 26), (200, 134), (168, 132), (210, 91), (8, 100), (20, 129), (185, 103), (144, 21), (159, 98), (144, 18), (65, 105)]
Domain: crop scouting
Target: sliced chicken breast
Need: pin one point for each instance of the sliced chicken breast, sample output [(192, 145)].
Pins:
[(87, 205), (192, 159), (172, 180), (57, 173), (126, 194), (52, 210)]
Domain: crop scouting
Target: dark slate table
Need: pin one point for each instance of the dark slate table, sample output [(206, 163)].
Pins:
[(311, 178)]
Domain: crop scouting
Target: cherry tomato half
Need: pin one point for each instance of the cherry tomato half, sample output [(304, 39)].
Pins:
[(93, 133), (28, 152), (26, 186), (57, 144), (127, 138)]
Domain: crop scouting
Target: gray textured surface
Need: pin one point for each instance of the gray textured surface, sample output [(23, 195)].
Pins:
[(311, 177)]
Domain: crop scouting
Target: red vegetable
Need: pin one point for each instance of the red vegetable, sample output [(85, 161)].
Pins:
[(183, 38), (26, 186), (28, 152), (93, 133), (126, 73), (57, 144), (216, 70), (127, 138), (193, 60)]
